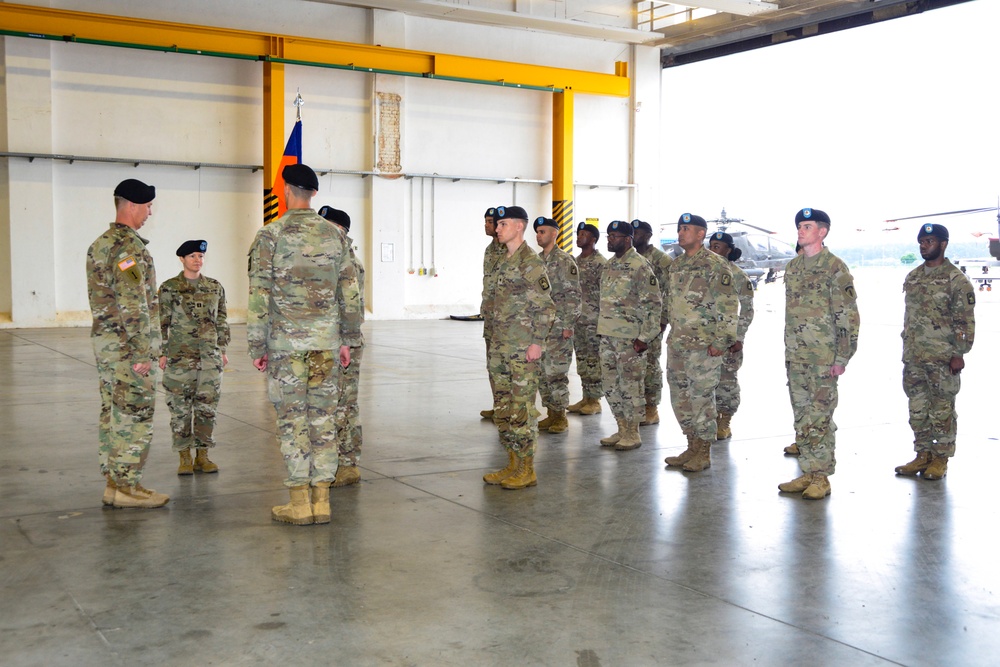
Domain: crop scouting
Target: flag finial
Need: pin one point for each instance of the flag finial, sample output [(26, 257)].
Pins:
[(298, 105)]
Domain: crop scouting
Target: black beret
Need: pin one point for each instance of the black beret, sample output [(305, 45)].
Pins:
[(691, 219), (544, 222), (724, 237), (813, 214), (135, 191), (300, 176), (639, 224), (939, 231), (189, 247), (336, 216), (590, 228), (620, 227), (508, 212), (491, 212)]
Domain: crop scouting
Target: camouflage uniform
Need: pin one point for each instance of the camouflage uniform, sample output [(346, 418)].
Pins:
[(121, 286), (492, 257), (727, 396), (195, 334), (564, 280), (940, 323), (523, 313), (821, 331), (585, 338), (631, 307), (304, 304), (349, 439), (653, 380), (702, 310)]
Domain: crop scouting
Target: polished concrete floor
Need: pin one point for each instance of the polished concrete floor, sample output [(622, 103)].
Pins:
[(611, 560)]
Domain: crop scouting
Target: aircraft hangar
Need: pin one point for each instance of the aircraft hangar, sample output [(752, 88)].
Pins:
[(417, 115)]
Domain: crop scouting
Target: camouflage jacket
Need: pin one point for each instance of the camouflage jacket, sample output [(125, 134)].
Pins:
[(821, 311), (303, 287), (193, 317), (940, 319), (660, 261), (494, 254), (359, 268), (564, 279), (523, 309), (630, 299), (702, 308), (121, 286), (590, 287), (744, 293)]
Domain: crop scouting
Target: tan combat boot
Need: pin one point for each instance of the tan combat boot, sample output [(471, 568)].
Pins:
[(501, 475), (544, 424), (702, 457), (819, 488), (792, 449), (201, 462), (722, 430), (109, 491), (320, 502), (652, 416), (347, 475), (613, 439), (630, 437), (486, 414), (918, 464), (524, 477), (559, 422), (186, 466), (575, 408), (797, 485), (136, 497), (937, 469), (591, 406), (298, 511), (683, 457)]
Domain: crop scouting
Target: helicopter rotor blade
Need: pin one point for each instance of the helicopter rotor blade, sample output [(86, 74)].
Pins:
[(934, 215)]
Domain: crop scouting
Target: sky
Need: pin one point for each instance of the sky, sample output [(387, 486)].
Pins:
[(868, 124)]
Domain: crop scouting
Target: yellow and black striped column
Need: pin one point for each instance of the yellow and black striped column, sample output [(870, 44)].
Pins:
[(562, 167)]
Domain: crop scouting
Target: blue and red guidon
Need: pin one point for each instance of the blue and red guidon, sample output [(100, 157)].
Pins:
[(274, 199)]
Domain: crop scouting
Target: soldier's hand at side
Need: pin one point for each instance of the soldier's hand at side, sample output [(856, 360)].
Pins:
[(567, 334), (143, 368), (639, 346), (957, 364), (345, 355), (261, 363), (712, 352), (837, 370), (736, 347), (225, 360), (534, 352), (163, 363)]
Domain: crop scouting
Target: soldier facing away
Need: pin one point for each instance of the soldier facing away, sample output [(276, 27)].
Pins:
[(586, 342)]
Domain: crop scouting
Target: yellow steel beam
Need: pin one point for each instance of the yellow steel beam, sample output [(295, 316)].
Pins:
[(160, 35), (274, 119), (562, 166)]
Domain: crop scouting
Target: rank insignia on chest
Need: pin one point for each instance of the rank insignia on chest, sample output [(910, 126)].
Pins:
[(726, 280), (199, 305), (543, 282)]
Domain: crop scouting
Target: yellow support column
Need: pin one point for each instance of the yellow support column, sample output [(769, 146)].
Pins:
[(562, 167), (274, 127)]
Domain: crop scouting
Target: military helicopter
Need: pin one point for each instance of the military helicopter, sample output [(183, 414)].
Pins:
[(763, 255)]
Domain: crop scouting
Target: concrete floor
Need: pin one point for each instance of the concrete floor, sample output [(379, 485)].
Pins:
[(610, 560)]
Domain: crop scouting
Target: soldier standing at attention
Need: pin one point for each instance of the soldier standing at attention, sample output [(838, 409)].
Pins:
[(629, 320), (642, 233), (585, 339), (821, 336), (939, 328), (195, 334), (121, 287), (523, 314), (349, 438), (564, 281), (303, 314), (495, 252), (702, 310), (727, 396)]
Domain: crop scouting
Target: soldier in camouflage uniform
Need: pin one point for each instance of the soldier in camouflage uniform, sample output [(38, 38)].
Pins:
[(121, 286), (938, 331), (523, 312), (586, 342), (727, 396), (821, 336), (564, 280), (349, 439), (652, 383), (629, 320), (303, 317), (195, 334), (494, 254), (702, 311)]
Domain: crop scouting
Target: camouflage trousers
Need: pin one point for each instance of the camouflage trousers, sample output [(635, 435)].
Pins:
[(588, 359), (727, 396), (693, 377), (813, 393), (348, 422), (489, 367), (554, 384), (303, 388), (193, 386), (652, 381), (932, 390), (514, 411), (125, 425), (622, 370)]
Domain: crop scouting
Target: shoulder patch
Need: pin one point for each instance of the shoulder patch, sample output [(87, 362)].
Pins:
[(726, 279), (749, 285), (652, 281), (543, 282), (130, 268), (573, 270), (971, 298), (850, 291)]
